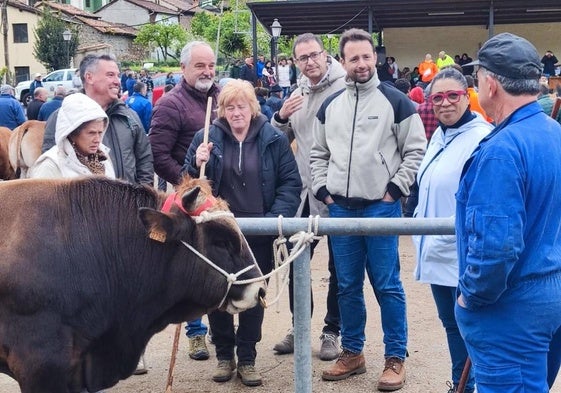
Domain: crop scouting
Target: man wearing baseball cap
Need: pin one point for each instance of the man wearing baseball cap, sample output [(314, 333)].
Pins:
[(508, 225), (35, 83)]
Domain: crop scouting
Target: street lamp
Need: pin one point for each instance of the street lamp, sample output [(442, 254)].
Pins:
[(67, 36), (276, 29)]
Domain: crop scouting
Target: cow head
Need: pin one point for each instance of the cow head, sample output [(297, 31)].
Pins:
[(192, 217)]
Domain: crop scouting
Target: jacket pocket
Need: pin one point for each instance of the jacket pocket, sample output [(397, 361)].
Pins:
[(508, 377)]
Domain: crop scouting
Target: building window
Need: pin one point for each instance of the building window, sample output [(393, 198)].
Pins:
[(88, 4), (20, 33), (22, 74)]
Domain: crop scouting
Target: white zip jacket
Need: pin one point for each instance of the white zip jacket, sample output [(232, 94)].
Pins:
[(438, 178), (368, 139)]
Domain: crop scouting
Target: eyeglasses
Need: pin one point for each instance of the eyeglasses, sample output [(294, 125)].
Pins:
[(314, 56), (452, 96)]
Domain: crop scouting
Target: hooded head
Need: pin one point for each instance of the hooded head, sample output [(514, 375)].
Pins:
[(76, 109)]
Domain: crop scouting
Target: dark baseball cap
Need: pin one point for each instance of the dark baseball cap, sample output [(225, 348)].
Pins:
[(510, 56)]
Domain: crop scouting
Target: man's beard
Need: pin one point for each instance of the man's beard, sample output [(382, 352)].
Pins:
[(203, 85)]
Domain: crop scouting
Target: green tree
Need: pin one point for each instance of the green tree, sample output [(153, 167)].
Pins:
[(168, 38), (235, 32), (50, 49)]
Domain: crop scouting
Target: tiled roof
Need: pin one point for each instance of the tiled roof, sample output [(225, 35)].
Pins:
[(152, 6), (182, 5), (67, 9), (93, 47), (21, 5), (108, 27)]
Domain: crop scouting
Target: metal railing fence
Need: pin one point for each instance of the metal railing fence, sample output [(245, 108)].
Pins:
[(302, 277)]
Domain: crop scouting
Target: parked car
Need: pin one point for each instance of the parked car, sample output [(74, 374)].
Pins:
[(159, 80), (50, 82)]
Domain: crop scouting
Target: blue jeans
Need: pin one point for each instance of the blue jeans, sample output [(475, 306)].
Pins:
[(509, 341), (379, 256), (196, 328), (445, 299)]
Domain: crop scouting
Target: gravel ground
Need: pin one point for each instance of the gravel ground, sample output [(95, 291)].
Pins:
[(427, 366)]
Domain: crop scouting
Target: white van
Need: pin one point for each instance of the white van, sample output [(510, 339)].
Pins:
[(50, 82)]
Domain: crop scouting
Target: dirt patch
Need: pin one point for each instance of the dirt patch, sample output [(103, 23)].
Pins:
[(428, 366)]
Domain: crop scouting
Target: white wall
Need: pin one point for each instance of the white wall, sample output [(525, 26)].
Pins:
[(124, 12), (409, 45)]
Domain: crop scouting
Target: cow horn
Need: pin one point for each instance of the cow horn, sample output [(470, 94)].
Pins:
[(189, 199)]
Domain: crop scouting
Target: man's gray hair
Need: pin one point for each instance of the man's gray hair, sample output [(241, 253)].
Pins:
[(60, 91), (516, 87), (188, 49), (90, 62)]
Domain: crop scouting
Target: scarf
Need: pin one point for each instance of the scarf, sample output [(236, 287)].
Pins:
[(92, 161)]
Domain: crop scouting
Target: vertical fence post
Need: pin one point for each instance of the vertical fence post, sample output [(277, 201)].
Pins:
[(302, 323)]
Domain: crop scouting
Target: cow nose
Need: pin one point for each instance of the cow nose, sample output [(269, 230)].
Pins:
[(261, 295)]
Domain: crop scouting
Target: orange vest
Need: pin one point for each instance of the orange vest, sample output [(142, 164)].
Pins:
[(427, 71), (474, 104)]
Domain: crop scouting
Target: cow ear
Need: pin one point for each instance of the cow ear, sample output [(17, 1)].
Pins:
[(189, 199), (158, 225)]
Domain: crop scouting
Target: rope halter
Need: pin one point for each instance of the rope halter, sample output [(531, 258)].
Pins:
[(202, 215)]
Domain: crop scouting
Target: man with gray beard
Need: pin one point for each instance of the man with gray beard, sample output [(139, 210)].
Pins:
[(177, 116), (180, 113)]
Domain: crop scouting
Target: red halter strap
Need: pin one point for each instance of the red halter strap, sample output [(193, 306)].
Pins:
[(176, 199)]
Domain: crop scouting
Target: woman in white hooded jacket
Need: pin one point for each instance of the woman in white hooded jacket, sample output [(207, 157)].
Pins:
[(78, 151), (453, 142)]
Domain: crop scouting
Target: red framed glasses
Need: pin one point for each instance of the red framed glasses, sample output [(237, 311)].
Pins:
[(452, 96)]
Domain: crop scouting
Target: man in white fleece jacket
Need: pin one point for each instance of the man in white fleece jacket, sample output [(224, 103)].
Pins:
[(368, 143)]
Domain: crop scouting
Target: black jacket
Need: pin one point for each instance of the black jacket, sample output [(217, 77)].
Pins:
[(280, 179)]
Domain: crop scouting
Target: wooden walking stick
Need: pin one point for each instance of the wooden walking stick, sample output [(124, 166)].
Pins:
[(173, 357), (464, 377), (205, 135), (178, 326)]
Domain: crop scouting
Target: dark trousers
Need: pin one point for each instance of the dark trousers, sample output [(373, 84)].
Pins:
[(226, 338), (445, 300), (332, 319)]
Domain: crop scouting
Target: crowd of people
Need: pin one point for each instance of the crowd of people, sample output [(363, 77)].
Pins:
[(457, 138)]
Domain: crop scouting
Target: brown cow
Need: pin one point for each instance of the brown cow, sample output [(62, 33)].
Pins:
[(25, 146), (6, 171), (92, 268)]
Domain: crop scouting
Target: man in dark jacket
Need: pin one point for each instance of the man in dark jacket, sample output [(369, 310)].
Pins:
[(275, 101), (177, 116), (247, 72), (35, 83), (49, 107), (40, 96), (130, 149)]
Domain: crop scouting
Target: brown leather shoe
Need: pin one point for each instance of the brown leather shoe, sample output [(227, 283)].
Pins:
[(393, 377), (348, 364)]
